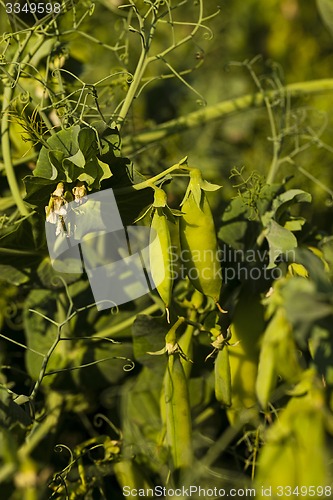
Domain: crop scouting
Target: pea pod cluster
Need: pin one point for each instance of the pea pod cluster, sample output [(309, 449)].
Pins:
[(199, 248)]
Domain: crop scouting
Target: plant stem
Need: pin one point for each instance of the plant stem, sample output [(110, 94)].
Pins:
[(140, 69), (44, 428), (139, 72), (149, 183), (108, 332), (222, 109), (21, 161), (8, 94)]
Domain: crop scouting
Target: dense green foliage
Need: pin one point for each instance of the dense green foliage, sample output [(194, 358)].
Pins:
[(212, 126)]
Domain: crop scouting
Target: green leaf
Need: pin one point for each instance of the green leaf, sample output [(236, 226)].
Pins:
[(236, 227), (288, 198), (11, 413), (50, 278), (280, 240), (208, 186), (326, 245), (20, 244), (149, 336), (108, 369), (315, 267), (63, 144), (131, 204), (305, 306), (106, 171), (267, 194), (141, 419), (294, 224), (12, 275), (87, 143), (55, 159), (40, 332), (38, 190), (78, 159), (325, 8), (6, 202), (279, 210), (71, 155), (109, 139), (321, 349)]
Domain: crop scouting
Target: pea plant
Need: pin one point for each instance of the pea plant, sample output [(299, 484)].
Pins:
[(219, 377)]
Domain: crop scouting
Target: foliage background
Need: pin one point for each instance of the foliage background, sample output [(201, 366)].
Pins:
[(281, 42)]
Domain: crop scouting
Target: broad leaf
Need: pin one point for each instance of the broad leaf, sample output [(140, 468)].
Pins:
[(325, 8), (280, 240), (11, 413), (149, 336), (12, 275)]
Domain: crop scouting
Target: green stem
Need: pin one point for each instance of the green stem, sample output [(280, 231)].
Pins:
[(274, 166), (46, 359), (43, 429), (149, 183), (222, 109), (8, 93), (108, 332), (139, 72), (140, 69), (20, 161)]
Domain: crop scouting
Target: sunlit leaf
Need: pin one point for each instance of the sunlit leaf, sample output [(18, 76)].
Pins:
[(280, 240), (325, 8)]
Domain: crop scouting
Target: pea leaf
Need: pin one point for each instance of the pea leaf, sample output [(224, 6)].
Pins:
[(322, 352), (12, 275), (78, 159), (141, 416), (10, 412), (305, 306), (280, 240), (236, 225), (285, 200), (295, 223), (326, 246), (38, 190), (50, 278), (149, 336), (19, 244), (63, 144), (112, 360), (325, 8), (109, 138), (71, 155), (40, 332)]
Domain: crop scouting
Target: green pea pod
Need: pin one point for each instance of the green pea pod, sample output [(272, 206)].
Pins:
[(160, 252), (198, 239), (223, 377), (246, 330), (296, 448), (266, 378), (278, 357), (130, 475), (178, 413)]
